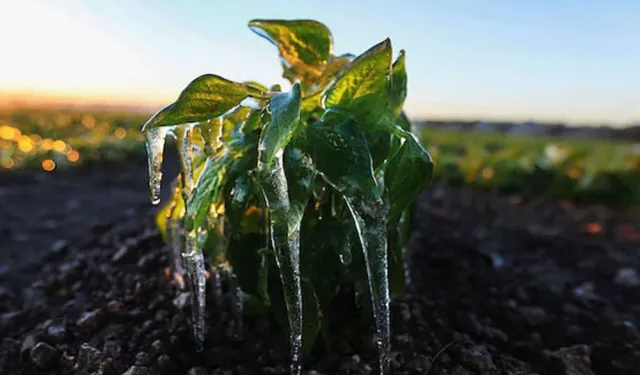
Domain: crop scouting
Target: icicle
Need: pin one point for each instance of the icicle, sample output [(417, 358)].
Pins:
[(285, 238), (155, 151), (194, 264), (183, 137), (237, 303), (177, 243), (193, 260), (216, 286), (371, 227)]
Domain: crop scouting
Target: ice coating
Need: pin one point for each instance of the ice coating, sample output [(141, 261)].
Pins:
[(237, 304), (194, 265), (252, 103), (177, 243), (370, 221), (183, 137), (211, 132), (216, 287), (155, 152), (284, 230), (192, 257)]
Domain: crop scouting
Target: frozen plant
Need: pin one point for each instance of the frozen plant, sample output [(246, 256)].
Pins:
[(301, 194)]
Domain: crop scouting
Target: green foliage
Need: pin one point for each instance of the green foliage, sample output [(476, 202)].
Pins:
[(290, 186), (34, 134), (206, 97), (579, 170)]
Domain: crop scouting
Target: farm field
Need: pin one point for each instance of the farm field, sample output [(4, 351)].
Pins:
[(525, 260), (580, 170)]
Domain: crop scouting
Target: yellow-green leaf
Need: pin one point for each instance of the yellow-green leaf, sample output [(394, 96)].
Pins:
[(304, 45), (206, 97), (407, 173), (362, 86), (285, 115), (398, 89)]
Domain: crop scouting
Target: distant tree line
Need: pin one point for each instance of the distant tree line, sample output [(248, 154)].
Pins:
[(628, 133)]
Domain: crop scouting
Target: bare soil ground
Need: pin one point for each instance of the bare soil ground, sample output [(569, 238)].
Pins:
[(499, 285)]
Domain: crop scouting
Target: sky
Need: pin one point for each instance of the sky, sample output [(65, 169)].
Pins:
[(576, 61)]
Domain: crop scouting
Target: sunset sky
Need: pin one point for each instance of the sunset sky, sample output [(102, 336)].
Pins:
[(566, 60)]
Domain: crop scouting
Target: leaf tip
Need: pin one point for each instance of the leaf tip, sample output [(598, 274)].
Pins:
[(297, 91), (386, 43), (257, 26)]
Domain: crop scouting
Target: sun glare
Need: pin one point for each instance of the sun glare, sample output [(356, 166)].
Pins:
[(46, 49)]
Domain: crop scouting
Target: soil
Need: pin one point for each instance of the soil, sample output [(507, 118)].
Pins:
[(498, 285)]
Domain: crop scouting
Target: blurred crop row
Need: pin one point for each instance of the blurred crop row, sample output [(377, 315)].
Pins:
[(576, 169), (51, 138)]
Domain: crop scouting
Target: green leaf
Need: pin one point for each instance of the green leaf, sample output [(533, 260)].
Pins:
[(304, 45), (407, 174), (285, 115), (311, 318), (256, 85), (396, 261), (370, 220), (396, 141), (252, 126), (398, 90), (300, 177), (207, 190), (336, 137), (334, 66), (263, 277), (246, 261), (236, 199), (311, 102), (379, 145), (211, 131), (404, 122), (164, 216), (362, 86), (232, 122), (284, 220), (216, 243), (206, 97)]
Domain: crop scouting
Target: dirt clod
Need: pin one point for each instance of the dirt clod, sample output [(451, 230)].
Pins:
[(44, 355)]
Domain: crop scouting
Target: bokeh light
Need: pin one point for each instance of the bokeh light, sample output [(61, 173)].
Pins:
[(25, 144), (48, 165), (73, 156), (120, 133), (59, 146)]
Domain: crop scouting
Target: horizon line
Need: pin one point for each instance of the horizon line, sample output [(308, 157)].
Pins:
[(11, 98)]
